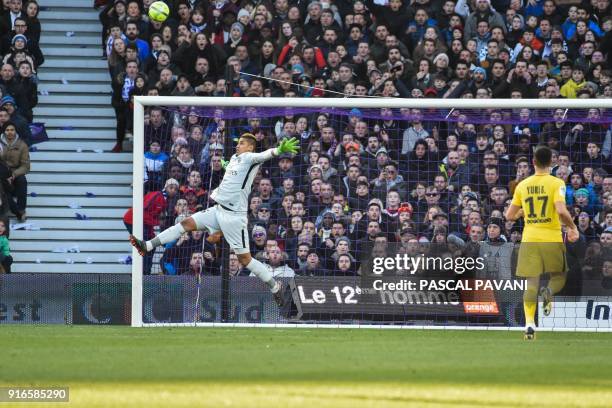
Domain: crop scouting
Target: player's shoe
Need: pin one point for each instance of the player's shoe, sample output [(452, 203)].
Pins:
[(140, 246), (529, 333), (547, 300), (278, 295)]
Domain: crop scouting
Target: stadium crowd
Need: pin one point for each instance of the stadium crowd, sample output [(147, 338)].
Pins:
[(20, 56), (368, 178)]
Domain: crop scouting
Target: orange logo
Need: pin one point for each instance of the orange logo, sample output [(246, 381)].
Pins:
[(480, 308)]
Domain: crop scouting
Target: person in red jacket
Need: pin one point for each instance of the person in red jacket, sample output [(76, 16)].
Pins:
[(154, 204)]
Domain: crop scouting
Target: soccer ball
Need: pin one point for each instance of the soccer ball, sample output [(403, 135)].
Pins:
[(159, 11)]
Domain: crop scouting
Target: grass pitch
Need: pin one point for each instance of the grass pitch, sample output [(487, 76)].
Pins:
[(188, 367)]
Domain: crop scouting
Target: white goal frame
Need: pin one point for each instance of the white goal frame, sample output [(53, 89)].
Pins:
[(365, 103)]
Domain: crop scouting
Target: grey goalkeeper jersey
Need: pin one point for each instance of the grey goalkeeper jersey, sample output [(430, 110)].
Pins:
[(234, 190)]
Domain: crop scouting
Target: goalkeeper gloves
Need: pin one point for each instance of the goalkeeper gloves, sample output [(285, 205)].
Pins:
[(224, 163), (288, 146)]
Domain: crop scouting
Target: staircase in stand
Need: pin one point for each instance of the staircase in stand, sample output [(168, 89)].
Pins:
[(74, 174)]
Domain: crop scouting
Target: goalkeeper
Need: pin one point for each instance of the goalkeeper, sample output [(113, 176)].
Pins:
[(229, 215)]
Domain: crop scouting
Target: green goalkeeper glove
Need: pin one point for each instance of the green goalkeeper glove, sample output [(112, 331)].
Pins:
[(224, 163), (288, 146)]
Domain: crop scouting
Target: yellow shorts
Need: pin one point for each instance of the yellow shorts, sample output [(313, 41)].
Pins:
[(537, 258)]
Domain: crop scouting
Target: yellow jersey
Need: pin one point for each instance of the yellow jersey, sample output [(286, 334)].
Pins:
[(537, 195)]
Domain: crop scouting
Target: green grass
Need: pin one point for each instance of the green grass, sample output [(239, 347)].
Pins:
[(122, 366)]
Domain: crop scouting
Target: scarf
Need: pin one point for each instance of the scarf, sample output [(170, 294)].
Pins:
[(128, 85), (186, 164)]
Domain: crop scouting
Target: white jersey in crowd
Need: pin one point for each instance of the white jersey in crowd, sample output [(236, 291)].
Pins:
[(234, 190)]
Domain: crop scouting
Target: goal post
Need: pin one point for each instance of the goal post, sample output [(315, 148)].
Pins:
[(137, 205), (442, 112)]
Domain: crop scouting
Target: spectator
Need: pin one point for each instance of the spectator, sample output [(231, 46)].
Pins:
[(10, 105), (277, 263), (313, 265), (33, 24), (345, 266), (6, 260), (235, 269), (14, 165), (259, 237), (189, 252), (122, 85), (27, 86), (154, 204), (196, 263)]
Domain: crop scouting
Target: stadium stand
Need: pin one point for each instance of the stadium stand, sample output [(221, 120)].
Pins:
[(76, 190), (462, 49), (21, 57), (460, 174)]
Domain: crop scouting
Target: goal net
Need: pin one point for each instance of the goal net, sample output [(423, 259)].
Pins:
[(391, 214)]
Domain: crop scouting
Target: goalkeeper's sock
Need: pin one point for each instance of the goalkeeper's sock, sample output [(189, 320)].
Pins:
[(169, 235), (556, 282), (262, 272), (530, 300)]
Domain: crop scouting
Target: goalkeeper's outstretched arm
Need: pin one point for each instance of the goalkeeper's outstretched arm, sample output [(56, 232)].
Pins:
[(285, 146)]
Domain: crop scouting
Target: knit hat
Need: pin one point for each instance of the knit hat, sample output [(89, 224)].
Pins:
[(19, 37), (441, 214), (430, 91), (314, 166), (496, 221), (471, 195), (377, 202), (374, 70), (297, 69), (455, 240), (171, 182), (381, 150), (482, 71), (441, 56), (345, 239), (405, 207), (243, 13), (313, 4), (239, 27), (267, 71), (258, 229), (352, 146), (581, 191), (264, 206), (7, 99), (179, 140)]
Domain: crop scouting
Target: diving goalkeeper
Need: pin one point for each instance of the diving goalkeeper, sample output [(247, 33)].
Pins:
[(229, 215)]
